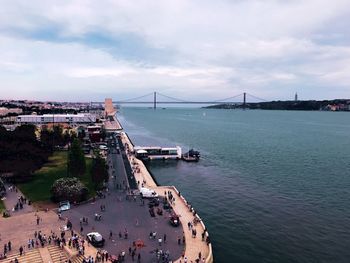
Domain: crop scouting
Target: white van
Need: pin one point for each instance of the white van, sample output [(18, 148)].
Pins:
[(147, 193), (103, 147)]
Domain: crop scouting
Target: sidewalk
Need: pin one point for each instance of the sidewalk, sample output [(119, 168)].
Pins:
[(11, 199)]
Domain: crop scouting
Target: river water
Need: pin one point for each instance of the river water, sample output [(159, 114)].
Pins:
[(272, 186)]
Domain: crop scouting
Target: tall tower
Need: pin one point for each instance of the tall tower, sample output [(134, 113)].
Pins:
[(109, 108), (296, 97)]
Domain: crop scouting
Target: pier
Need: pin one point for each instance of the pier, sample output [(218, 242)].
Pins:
[(138, 176), (180, 206)]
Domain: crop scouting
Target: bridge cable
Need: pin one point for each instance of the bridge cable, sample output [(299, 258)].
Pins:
[(136, 98), (172, 98), (255, 97), (232, 97)]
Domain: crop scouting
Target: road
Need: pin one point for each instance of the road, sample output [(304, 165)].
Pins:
[(129, 215)]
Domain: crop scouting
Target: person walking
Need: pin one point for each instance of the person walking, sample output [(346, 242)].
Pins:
[(164, 238)]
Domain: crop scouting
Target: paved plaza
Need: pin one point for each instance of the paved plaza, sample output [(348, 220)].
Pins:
[(127, 213), (125, 219), (123, 215)]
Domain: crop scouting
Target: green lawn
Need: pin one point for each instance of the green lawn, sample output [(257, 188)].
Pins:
[(2, 206), (38, 189)]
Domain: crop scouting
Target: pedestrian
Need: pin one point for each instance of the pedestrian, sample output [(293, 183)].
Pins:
[(20, 250), (9, 245), (139, 257), (160, 241), (179, 241), (37, 220), (81, 229), (183, 239), (110, 234), (164, 238)]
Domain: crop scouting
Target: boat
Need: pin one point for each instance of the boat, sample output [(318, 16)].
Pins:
[(157, 152), (191, 156)]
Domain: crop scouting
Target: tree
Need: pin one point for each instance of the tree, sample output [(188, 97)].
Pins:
[(21, 153), (71, 189), (66, 137), (46, 138), (76, 160), (58, 135), (99, 172)]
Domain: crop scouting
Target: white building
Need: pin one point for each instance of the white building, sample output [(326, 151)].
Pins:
[(56, 118)]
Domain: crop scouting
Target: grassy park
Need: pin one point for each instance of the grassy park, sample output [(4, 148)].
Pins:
[(38, 189), (2, 206)]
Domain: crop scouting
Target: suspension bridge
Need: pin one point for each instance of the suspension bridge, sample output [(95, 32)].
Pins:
[(155, 98)]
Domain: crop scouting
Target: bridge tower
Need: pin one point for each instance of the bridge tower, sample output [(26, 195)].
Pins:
[(244, 100), (155, 100)]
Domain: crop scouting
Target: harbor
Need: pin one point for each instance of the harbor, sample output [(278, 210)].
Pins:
[(197, 246), (185, 211)]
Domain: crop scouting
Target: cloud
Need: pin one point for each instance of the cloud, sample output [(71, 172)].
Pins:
[(194, 48)]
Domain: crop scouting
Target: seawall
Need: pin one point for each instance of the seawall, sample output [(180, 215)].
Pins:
[(180, 206)]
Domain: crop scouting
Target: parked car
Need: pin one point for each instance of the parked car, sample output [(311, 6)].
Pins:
[(63, 206), (95, 239), (153, 202), (174, 220)]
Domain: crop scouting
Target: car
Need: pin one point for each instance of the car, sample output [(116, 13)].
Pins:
[(174, 220), (64, 206), (167, 206), (103, 147), (153, 202), (95, 239)]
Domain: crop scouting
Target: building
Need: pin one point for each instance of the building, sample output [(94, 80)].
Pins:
[(56, 118), (95, 133), (4, 111)]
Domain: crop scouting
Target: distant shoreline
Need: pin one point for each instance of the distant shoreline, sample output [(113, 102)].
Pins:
[(307, 105)]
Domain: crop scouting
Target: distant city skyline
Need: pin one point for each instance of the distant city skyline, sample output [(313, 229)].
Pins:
[(90, 50)]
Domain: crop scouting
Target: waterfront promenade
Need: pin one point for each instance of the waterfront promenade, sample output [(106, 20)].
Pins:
[(194, 245)]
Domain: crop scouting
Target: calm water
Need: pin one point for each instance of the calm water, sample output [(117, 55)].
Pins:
[(272, 186)]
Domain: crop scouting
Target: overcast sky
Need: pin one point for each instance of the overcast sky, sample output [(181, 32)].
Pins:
[(88, 50)]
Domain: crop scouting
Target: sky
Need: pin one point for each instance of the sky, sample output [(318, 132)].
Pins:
[(193, 50)]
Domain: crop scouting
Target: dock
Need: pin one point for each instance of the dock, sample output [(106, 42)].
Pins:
[(186, 212)]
